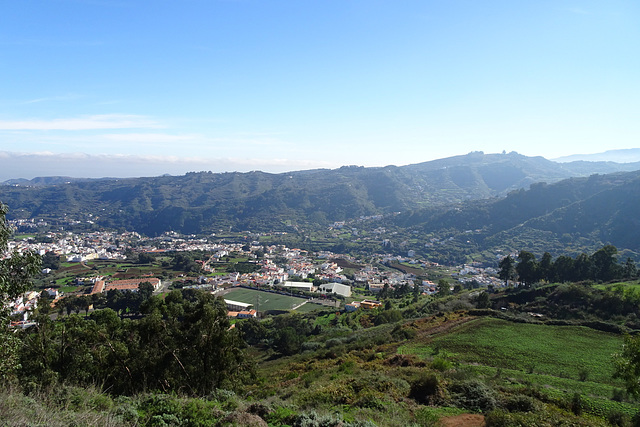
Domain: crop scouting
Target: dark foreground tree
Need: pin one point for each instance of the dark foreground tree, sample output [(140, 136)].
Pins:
[(180, 345), (15, 272)]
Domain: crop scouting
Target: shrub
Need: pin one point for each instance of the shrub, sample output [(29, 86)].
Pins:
[(347, 367), (440, 364), (583, 374), (497, 418), (160, 408), (371, 401), (259, 409), (474, 395), (312, 419), (164, 420), (227, 398), (425, 388), (310, 346), (576, 405), (426, 417), (125, 411), (521, 403), (281, 415), (333, 342), (618, 395), (617, 418)]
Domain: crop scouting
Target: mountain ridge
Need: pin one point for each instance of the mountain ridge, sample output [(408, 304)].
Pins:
[(500, 190)]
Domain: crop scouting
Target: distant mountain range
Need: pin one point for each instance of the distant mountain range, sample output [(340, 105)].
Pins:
[(424, 193), (629, 155), (571, 216)]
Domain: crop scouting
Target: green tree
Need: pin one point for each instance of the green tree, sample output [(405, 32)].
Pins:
[(545, 267), (51, 260), (563, 269), (16, 270), (527, 268), (145, 290), (582, 268), (213, 353), (444, 288), (605, 263), (145, 258), (507, 269), (253, 330), (630, 269), (483, 300), (416, 292), (627, 364), (287, 341)]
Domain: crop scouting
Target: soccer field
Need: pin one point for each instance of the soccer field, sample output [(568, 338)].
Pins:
[(264, 301)]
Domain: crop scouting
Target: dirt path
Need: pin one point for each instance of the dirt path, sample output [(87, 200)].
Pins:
[(464, 420)]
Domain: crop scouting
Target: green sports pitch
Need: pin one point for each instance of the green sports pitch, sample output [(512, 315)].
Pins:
[(264, 301)]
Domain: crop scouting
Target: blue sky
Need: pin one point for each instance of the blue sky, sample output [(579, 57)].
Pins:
[(172, 86)]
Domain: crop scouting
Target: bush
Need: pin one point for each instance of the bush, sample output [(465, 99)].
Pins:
[(427, 418), (125, 411), (583, 374), (617, 418), (474, 395), (618, 395), (576, 405), (371, 401), (310, 346), (333, 342), (440, 364), (497, 418), (425, 388), (347, 367), (157, 407), (281, 415), (521, 403)]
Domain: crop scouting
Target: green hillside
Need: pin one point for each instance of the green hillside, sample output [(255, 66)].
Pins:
[(206, 202)]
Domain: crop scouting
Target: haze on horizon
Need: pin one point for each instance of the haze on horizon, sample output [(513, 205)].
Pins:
[(125, 89)]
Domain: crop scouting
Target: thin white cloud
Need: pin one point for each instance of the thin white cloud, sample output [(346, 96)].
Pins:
[(160, 159), (165, 143), (82, 165), (69, 97), (95, 122), (150, 138)]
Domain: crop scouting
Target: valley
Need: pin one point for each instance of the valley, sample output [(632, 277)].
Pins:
[(444, 306)]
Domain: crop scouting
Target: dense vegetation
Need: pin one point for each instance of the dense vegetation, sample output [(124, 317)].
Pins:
[(179, 345), (601, 266)]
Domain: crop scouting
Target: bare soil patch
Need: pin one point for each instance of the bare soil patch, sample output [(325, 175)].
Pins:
[(464, 420)]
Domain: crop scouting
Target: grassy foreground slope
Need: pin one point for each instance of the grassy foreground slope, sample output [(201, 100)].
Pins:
[(562, 351), (409, 373)]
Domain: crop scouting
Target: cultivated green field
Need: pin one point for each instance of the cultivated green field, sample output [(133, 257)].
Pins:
[(265, 300), (557, 359), (635, 285), (559, 351)]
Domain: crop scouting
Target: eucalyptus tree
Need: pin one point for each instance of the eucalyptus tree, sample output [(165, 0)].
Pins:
[(16, 270)]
